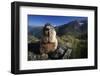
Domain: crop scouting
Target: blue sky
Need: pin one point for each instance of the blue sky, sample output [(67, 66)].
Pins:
[(41, 20)]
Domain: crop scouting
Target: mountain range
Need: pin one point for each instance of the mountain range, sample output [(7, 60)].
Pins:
[(75, 28)]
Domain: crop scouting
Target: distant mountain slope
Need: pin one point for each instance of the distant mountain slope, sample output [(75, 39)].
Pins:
[(73, 28), (35, 31)]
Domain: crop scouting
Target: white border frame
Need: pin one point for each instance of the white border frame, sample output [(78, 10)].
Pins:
[(24, 64)]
